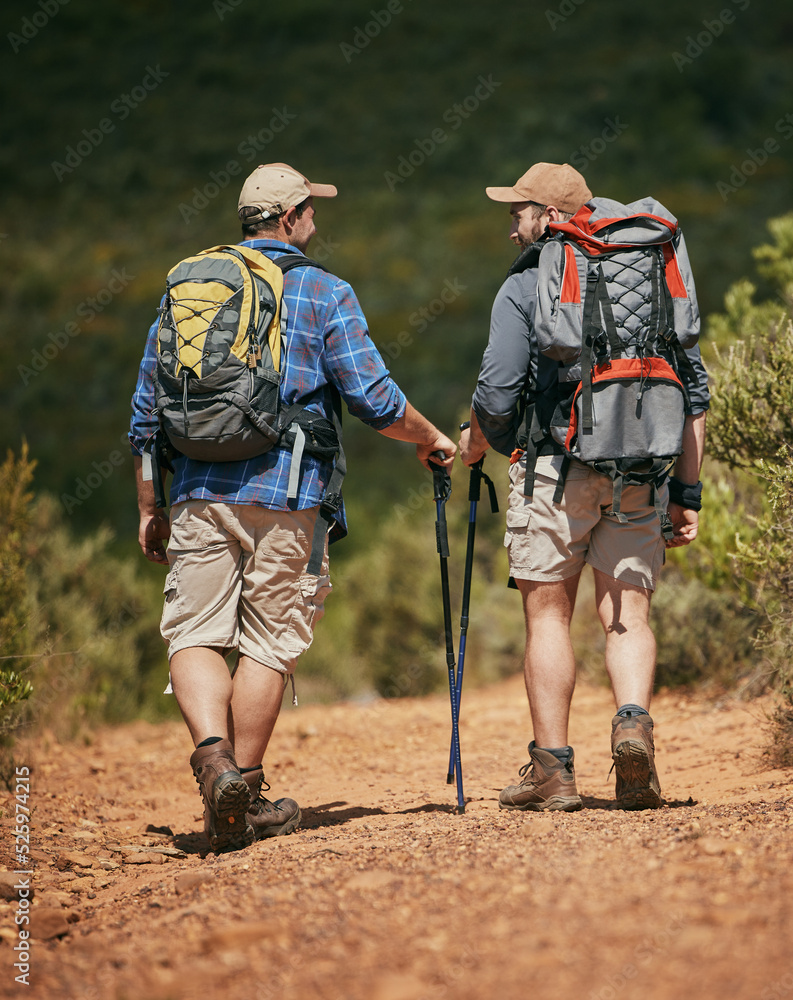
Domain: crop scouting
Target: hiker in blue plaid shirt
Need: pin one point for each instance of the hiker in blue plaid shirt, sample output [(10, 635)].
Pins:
[(239, 545)]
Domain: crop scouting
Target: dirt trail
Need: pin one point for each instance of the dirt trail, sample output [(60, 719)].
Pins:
[(385, 893)]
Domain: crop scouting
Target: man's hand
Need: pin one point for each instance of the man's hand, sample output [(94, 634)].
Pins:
[(473, 443), (424, 452), (154, 530), (685, 523)]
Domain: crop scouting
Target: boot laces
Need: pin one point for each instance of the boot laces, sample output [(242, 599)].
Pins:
[(263, 786), (527, 773), (259, 801)]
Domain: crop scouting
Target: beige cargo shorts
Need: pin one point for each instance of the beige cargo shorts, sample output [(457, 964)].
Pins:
[(550, 542), (238, 580)]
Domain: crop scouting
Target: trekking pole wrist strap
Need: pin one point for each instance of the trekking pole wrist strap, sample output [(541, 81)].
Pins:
[(685, 494)]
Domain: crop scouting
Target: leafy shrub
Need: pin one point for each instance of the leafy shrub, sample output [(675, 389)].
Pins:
[(752, 430), (16, 476), (78, 625)]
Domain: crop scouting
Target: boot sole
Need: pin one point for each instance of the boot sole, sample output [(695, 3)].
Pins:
[(229, 826), (281, 831), (556, 803), (635, 773)]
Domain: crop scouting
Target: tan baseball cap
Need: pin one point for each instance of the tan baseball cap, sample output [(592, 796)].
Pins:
[(556, 184), (274, 188)]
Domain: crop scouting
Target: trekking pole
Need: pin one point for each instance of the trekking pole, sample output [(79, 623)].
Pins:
[(474, 493), (442, 488)]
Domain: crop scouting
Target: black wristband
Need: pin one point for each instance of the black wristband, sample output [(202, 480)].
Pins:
[(685, 495)]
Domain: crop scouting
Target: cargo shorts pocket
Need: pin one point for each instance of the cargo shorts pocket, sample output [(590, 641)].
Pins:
[(308, 609), (517, 522), (170, 609), (191, 527)]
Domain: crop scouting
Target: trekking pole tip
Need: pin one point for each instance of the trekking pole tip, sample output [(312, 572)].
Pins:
[(450, 778)]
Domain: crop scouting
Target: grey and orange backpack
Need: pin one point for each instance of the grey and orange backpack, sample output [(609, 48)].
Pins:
[(616, 308)]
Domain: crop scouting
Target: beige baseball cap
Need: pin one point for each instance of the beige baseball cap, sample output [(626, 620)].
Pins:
[(274, 188), (556, 184)]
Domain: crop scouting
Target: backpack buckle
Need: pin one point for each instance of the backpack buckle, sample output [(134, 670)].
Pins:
[(330, 505)]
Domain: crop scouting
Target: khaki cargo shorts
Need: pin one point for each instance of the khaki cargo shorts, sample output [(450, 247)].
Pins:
[(551, 542), (238, 580)]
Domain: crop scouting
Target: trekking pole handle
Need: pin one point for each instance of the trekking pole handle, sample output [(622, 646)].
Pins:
[(440, 477), (442, 488), (477, 475), (475, 482)]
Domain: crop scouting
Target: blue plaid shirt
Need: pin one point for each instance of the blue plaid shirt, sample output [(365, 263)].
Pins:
[(327, 343)]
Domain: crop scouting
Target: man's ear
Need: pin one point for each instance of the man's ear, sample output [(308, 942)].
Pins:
[(289, 218), (553, 213)]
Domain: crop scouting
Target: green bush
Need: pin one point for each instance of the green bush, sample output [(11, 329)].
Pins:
[(95, 622), (16, 476), (752, 430), (78, 628)]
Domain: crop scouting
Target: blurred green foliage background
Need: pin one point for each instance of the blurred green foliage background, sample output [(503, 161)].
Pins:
[(127, 131)]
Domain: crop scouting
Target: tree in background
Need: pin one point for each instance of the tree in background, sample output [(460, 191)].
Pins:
[(752, 429)]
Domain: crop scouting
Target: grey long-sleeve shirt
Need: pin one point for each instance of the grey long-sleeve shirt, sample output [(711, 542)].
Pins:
[(511, 356)]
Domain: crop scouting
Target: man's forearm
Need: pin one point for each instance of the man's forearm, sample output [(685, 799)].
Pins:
[(478, 439), (688, 466), (145, 489), (412, 426)]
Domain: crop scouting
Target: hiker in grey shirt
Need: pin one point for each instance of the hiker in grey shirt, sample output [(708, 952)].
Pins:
[(549, 540)]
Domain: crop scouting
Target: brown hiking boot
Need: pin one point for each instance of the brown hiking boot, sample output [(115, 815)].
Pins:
[(226, 797), (269, 819), (547, 784), (633, 753)]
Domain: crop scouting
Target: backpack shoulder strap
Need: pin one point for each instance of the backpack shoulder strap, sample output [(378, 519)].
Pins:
[(527, 258), (290, 260)]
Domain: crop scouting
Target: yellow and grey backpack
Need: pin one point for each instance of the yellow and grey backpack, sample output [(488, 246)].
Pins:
[(220, 350), (220, 359)]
